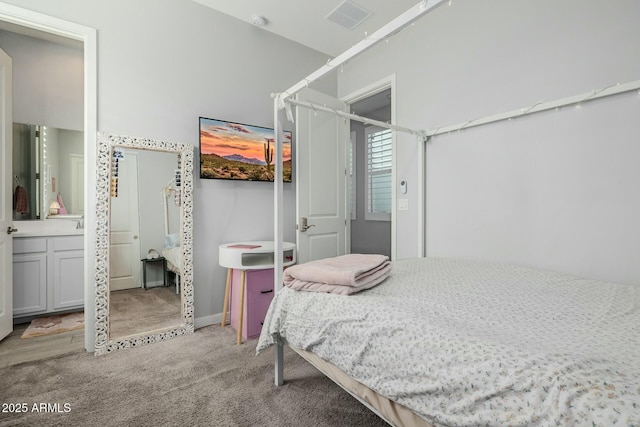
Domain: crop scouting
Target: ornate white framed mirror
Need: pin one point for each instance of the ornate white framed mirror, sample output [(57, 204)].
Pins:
[(144, 241)]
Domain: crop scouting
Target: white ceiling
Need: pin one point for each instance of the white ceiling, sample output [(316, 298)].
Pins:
[(304, 21)]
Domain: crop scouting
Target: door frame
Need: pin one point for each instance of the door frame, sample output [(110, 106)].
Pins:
[(88, 36), (358, 95), (6, 187)]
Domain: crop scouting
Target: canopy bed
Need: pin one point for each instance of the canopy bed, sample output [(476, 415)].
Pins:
[(461, 342), (497, 348)]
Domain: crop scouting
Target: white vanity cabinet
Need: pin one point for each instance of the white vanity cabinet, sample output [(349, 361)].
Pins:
[(29, 276), (66, 262), (48, 274)]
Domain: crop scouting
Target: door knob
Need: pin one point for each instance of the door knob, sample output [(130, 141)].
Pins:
[(304, 226), (11, 229)]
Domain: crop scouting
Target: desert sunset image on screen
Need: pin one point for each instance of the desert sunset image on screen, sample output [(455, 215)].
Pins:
[(238, 151)]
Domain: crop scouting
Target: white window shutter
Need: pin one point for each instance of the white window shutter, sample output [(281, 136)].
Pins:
[(379, 160)]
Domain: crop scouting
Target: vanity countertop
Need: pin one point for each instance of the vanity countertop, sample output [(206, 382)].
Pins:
[(46, 233), (47, 228)]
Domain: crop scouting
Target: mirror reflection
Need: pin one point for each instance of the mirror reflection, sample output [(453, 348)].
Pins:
[(48, 172), (144, 251)]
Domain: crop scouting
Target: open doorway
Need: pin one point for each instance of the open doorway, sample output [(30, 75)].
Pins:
[(47, 285), (18, 22), (371, 177)]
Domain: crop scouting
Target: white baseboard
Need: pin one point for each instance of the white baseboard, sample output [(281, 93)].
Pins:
[(201, 322)]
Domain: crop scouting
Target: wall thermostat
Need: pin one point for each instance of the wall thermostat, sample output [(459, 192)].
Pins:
[(403, 187)]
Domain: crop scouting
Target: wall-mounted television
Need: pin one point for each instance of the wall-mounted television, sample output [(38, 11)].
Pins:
[(230, 150)]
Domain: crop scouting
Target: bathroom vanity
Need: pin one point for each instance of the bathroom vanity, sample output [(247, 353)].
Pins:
[(48, 270)]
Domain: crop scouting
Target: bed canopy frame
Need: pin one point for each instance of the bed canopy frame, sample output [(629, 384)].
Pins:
[(283, 101)]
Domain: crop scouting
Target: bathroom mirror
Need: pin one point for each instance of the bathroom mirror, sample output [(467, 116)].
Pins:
[(48, 166), (144, 239)]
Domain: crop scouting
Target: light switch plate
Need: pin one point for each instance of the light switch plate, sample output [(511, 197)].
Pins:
[(403, 204)]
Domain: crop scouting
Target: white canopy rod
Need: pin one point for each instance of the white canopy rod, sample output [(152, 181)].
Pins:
[(350, 116), (540, 106), (382, 33)]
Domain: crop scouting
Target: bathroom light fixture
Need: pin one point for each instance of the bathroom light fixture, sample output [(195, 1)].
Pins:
[(258, 21)]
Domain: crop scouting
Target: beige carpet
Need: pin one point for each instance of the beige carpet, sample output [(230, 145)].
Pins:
[(54, 324), (202, 379), (134, 311)]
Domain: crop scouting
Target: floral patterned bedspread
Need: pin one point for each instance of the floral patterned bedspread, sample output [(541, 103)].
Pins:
[(471, 343)]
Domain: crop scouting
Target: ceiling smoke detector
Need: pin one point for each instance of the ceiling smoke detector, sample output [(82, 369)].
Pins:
[(348, 14), (258, 21)]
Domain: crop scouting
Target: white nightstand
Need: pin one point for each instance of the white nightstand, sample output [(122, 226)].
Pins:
[(243, 256)]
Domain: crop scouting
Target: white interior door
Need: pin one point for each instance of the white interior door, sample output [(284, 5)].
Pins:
[(321, 178), (6, 200), (124, 244)]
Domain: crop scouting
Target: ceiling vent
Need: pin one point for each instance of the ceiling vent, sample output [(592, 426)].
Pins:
[(348, 14)]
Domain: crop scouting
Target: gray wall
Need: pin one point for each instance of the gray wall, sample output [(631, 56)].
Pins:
[(70, 142), (164, 63), (47, 81), (556, 189), (48, 91)]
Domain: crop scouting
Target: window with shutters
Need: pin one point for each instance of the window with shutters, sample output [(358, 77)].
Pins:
[(379, 156)]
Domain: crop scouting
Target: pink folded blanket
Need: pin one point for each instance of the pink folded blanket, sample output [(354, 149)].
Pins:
[(344, 275)]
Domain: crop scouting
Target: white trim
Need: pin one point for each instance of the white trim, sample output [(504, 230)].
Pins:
[(49, 24), (352, 174), (371, 89), (388, 82), (350, 193), (422, 197), (394, 171)]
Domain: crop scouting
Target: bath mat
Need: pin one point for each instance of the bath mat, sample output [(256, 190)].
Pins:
[(54, 324)]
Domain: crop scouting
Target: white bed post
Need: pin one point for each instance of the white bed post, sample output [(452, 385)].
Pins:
[(278, 350), (277, 232), (422, 187), (278, 221)]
